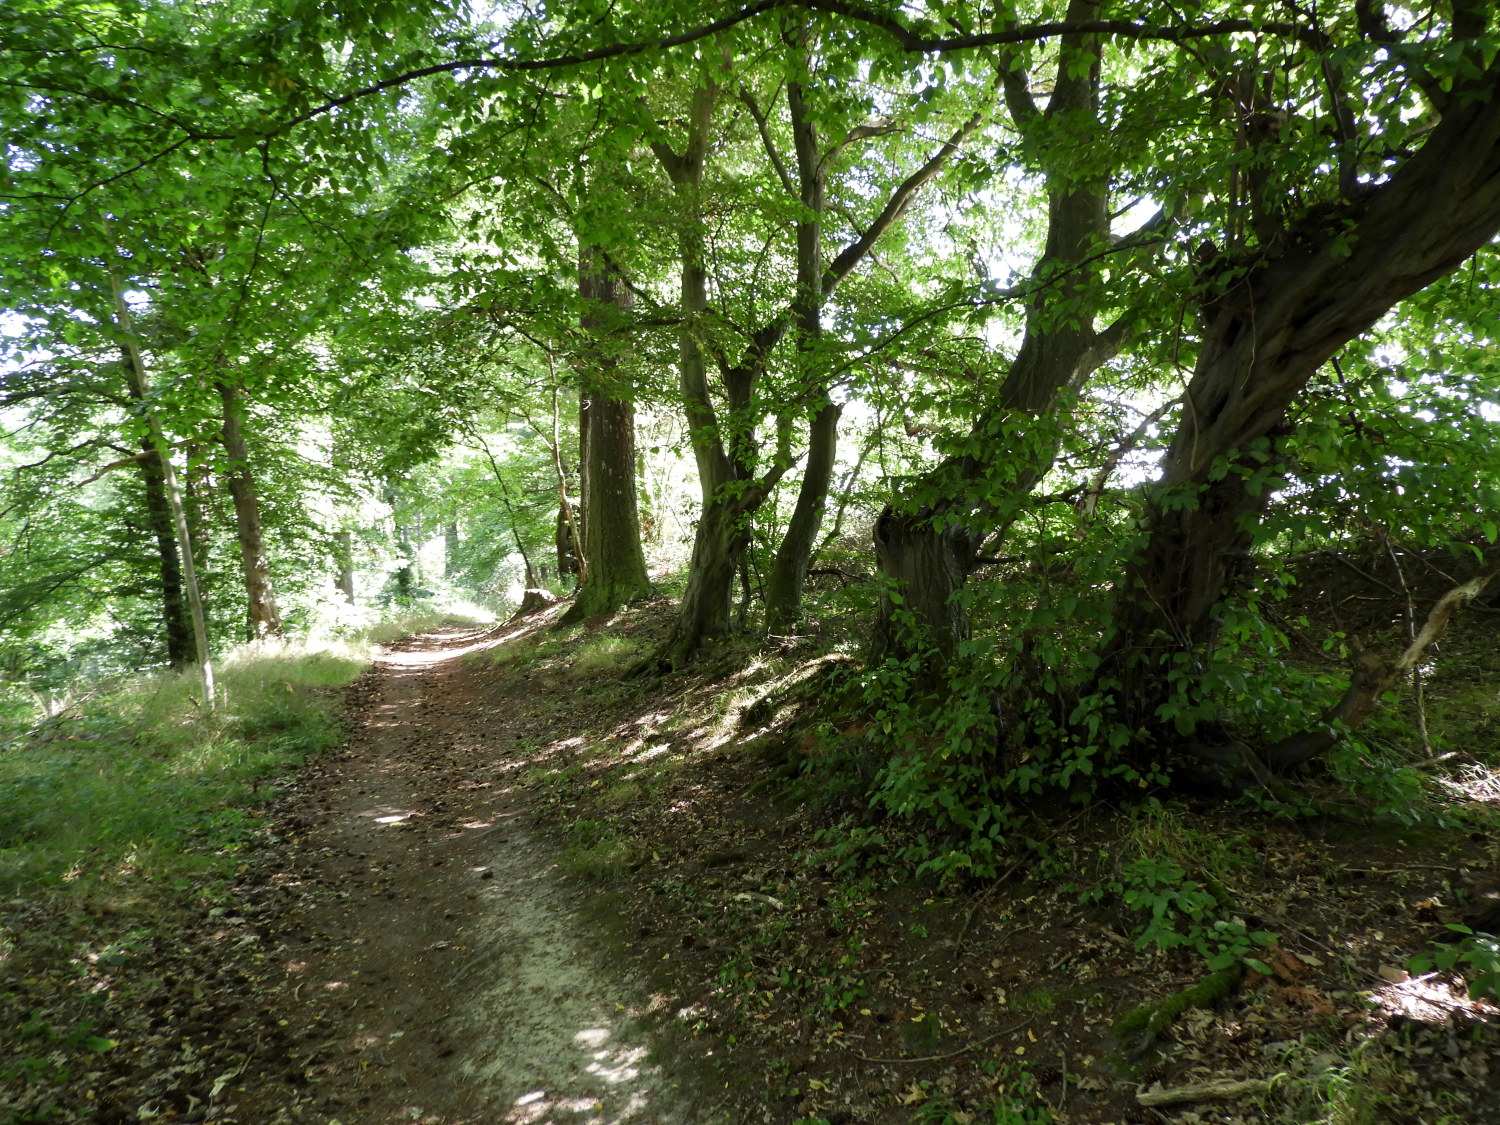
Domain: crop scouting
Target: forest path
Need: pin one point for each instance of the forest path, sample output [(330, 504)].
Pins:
[(436, 968)]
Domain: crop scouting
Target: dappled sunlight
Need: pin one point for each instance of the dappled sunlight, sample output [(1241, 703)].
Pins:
[(1432, 998), (1474, 781), (389, 816), (607, 1089), (479, 640), (280, 649)]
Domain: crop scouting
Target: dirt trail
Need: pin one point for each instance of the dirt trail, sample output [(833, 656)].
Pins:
[(437, 968)]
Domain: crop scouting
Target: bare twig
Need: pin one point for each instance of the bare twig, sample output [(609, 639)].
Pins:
[(976, 1044)]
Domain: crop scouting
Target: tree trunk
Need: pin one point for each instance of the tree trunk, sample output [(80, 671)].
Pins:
[(565, 542), (926, 567), (615, 564), (925, 552), (343, 557), (262, 616), (708, 602), (795, 555), (451, 542), (726, 457), (177, 627), (197, 501), (135, 368), (1264, 338)]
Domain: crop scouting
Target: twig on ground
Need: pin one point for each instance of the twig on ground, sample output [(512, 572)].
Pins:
[(951, 1054)]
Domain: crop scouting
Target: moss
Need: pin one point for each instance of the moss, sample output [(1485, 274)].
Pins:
[(1037, 1000), (1153, 1019)]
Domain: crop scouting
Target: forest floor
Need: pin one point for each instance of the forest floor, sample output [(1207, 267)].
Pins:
[(526, 890)]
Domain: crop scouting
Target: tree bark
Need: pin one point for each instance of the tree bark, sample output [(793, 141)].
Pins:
[(176, 626), (925, 552), (794, 556), (926, 567), (452, 539), (262, 616), (1263, 340), (733, 488), (615, 563), (136, 370), (343, 557), (704, 613)]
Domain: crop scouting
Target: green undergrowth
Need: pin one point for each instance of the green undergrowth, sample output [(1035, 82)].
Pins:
[(135, 783)]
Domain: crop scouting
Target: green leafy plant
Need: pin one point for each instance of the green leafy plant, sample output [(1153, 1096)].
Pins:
[(1476, 957), (1183, 913), (1017, 1104)]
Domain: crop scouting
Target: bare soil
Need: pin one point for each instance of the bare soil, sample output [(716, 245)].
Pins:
[(529, 892), (436, 968)]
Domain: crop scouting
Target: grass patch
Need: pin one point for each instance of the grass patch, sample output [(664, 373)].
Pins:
[(603, 654), (597, 851), (135, 783)]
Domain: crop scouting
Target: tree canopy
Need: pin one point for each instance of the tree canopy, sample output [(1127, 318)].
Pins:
[(1034, 340)]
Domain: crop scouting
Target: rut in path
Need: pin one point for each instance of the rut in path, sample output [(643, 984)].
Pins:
[(437, 968)]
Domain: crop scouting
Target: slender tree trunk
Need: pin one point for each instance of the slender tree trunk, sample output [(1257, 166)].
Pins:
[(136, 369), (343, 557), (451, 541), (177, 626), (727, 457), (565, 544), (197, 498), (615, 564), (720, 536), (533, 577), (794, 556), (262, 616)]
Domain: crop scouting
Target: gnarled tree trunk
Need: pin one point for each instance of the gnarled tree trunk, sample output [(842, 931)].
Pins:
[(1264, 338)]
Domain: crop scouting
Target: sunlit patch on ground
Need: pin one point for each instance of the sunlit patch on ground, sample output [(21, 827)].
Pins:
[(1473, 781), (1430, 999)]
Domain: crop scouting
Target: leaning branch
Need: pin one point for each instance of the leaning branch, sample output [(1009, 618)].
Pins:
[(1374, 676), (895, 207)]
